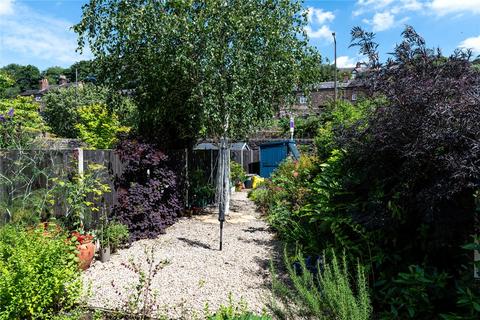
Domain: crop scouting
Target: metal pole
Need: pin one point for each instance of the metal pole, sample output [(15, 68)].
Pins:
[(76, 85), (223, 184), (221, 235), (187, 182), (335, 65)]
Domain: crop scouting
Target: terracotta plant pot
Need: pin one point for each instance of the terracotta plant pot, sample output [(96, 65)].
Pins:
[(86, 252)]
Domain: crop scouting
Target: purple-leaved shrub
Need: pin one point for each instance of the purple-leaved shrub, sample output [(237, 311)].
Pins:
[(148, 194)]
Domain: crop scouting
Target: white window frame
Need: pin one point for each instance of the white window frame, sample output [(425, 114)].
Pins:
[(302, 99)]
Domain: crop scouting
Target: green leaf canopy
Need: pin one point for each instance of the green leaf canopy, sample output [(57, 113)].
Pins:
[(211, 67)]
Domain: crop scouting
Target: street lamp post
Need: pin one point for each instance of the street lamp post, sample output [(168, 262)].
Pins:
[(335, 65)]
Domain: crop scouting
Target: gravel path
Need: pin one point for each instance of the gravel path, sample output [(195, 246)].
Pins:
[(197, 272)]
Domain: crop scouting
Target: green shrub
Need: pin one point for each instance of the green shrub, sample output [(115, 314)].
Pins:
[(412, 294), (201, 190), (39, 274), (339, 116), (338, 294), (80, 196), (328, 294), (98, 127), (20, 122), (6, 81), (61, 107), (237, 173), (260, 197), (116, 233), (302, 207)]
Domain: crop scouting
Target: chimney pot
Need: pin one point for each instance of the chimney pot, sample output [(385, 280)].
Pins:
[(62, 80), (43, 84)]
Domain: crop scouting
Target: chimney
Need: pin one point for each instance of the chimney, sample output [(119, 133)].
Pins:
[(43, 84), (62, 80)]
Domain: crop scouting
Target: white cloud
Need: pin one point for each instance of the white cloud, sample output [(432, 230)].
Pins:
[(27, 36), (6, 7), (386, 11), (443, 7), (412, 5), (318, 24), (376, 4), (370, 5), (346, 62), (382, 21), (317, 15), (472, 43), (324, 32)]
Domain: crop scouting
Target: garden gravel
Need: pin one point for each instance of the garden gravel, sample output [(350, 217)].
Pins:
[(197, 273)]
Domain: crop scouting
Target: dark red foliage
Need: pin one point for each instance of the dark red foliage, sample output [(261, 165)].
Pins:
[(148, 194), (423, 145), (412, 172), (82, 238)]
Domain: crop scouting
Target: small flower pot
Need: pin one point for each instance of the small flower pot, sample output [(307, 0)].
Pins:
[(105, 254)]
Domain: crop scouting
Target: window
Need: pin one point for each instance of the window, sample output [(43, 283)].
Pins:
[(354, 96), (302, 100)]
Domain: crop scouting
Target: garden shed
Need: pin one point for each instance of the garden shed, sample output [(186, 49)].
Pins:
[(273, 153), (240, 152)]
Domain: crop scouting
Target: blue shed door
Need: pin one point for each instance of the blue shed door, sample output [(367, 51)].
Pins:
[(271, 157)]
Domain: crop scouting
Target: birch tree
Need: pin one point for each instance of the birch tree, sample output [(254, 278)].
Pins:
[(218, 68)]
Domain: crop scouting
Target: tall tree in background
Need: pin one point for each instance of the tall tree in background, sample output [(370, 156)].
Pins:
[(83, 70), (25, 77)]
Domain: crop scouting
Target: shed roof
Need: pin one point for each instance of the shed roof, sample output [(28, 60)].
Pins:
[(236, 146)]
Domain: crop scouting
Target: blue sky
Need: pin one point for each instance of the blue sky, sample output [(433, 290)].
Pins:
[(37, 31)]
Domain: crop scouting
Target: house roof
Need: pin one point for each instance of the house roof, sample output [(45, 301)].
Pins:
[(340, 84), (50, 87)]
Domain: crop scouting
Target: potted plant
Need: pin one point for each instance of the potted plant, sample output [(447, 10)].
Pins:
[(104, 241), (112, 235), (85, 248), (115, 234), (237, 175), (104, 252)]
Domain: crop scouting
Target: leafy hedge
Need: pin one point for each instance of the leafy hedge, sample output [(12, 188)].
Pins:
[(149, 197), (39, 275)]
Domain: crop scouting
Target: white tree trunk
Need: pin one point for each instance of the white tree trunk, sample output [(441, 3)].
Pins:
[(223, 184), (223, 180)]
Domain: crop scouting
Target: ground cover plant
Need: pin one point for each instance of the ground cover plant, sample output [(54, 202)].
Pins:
[(233, 311)]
